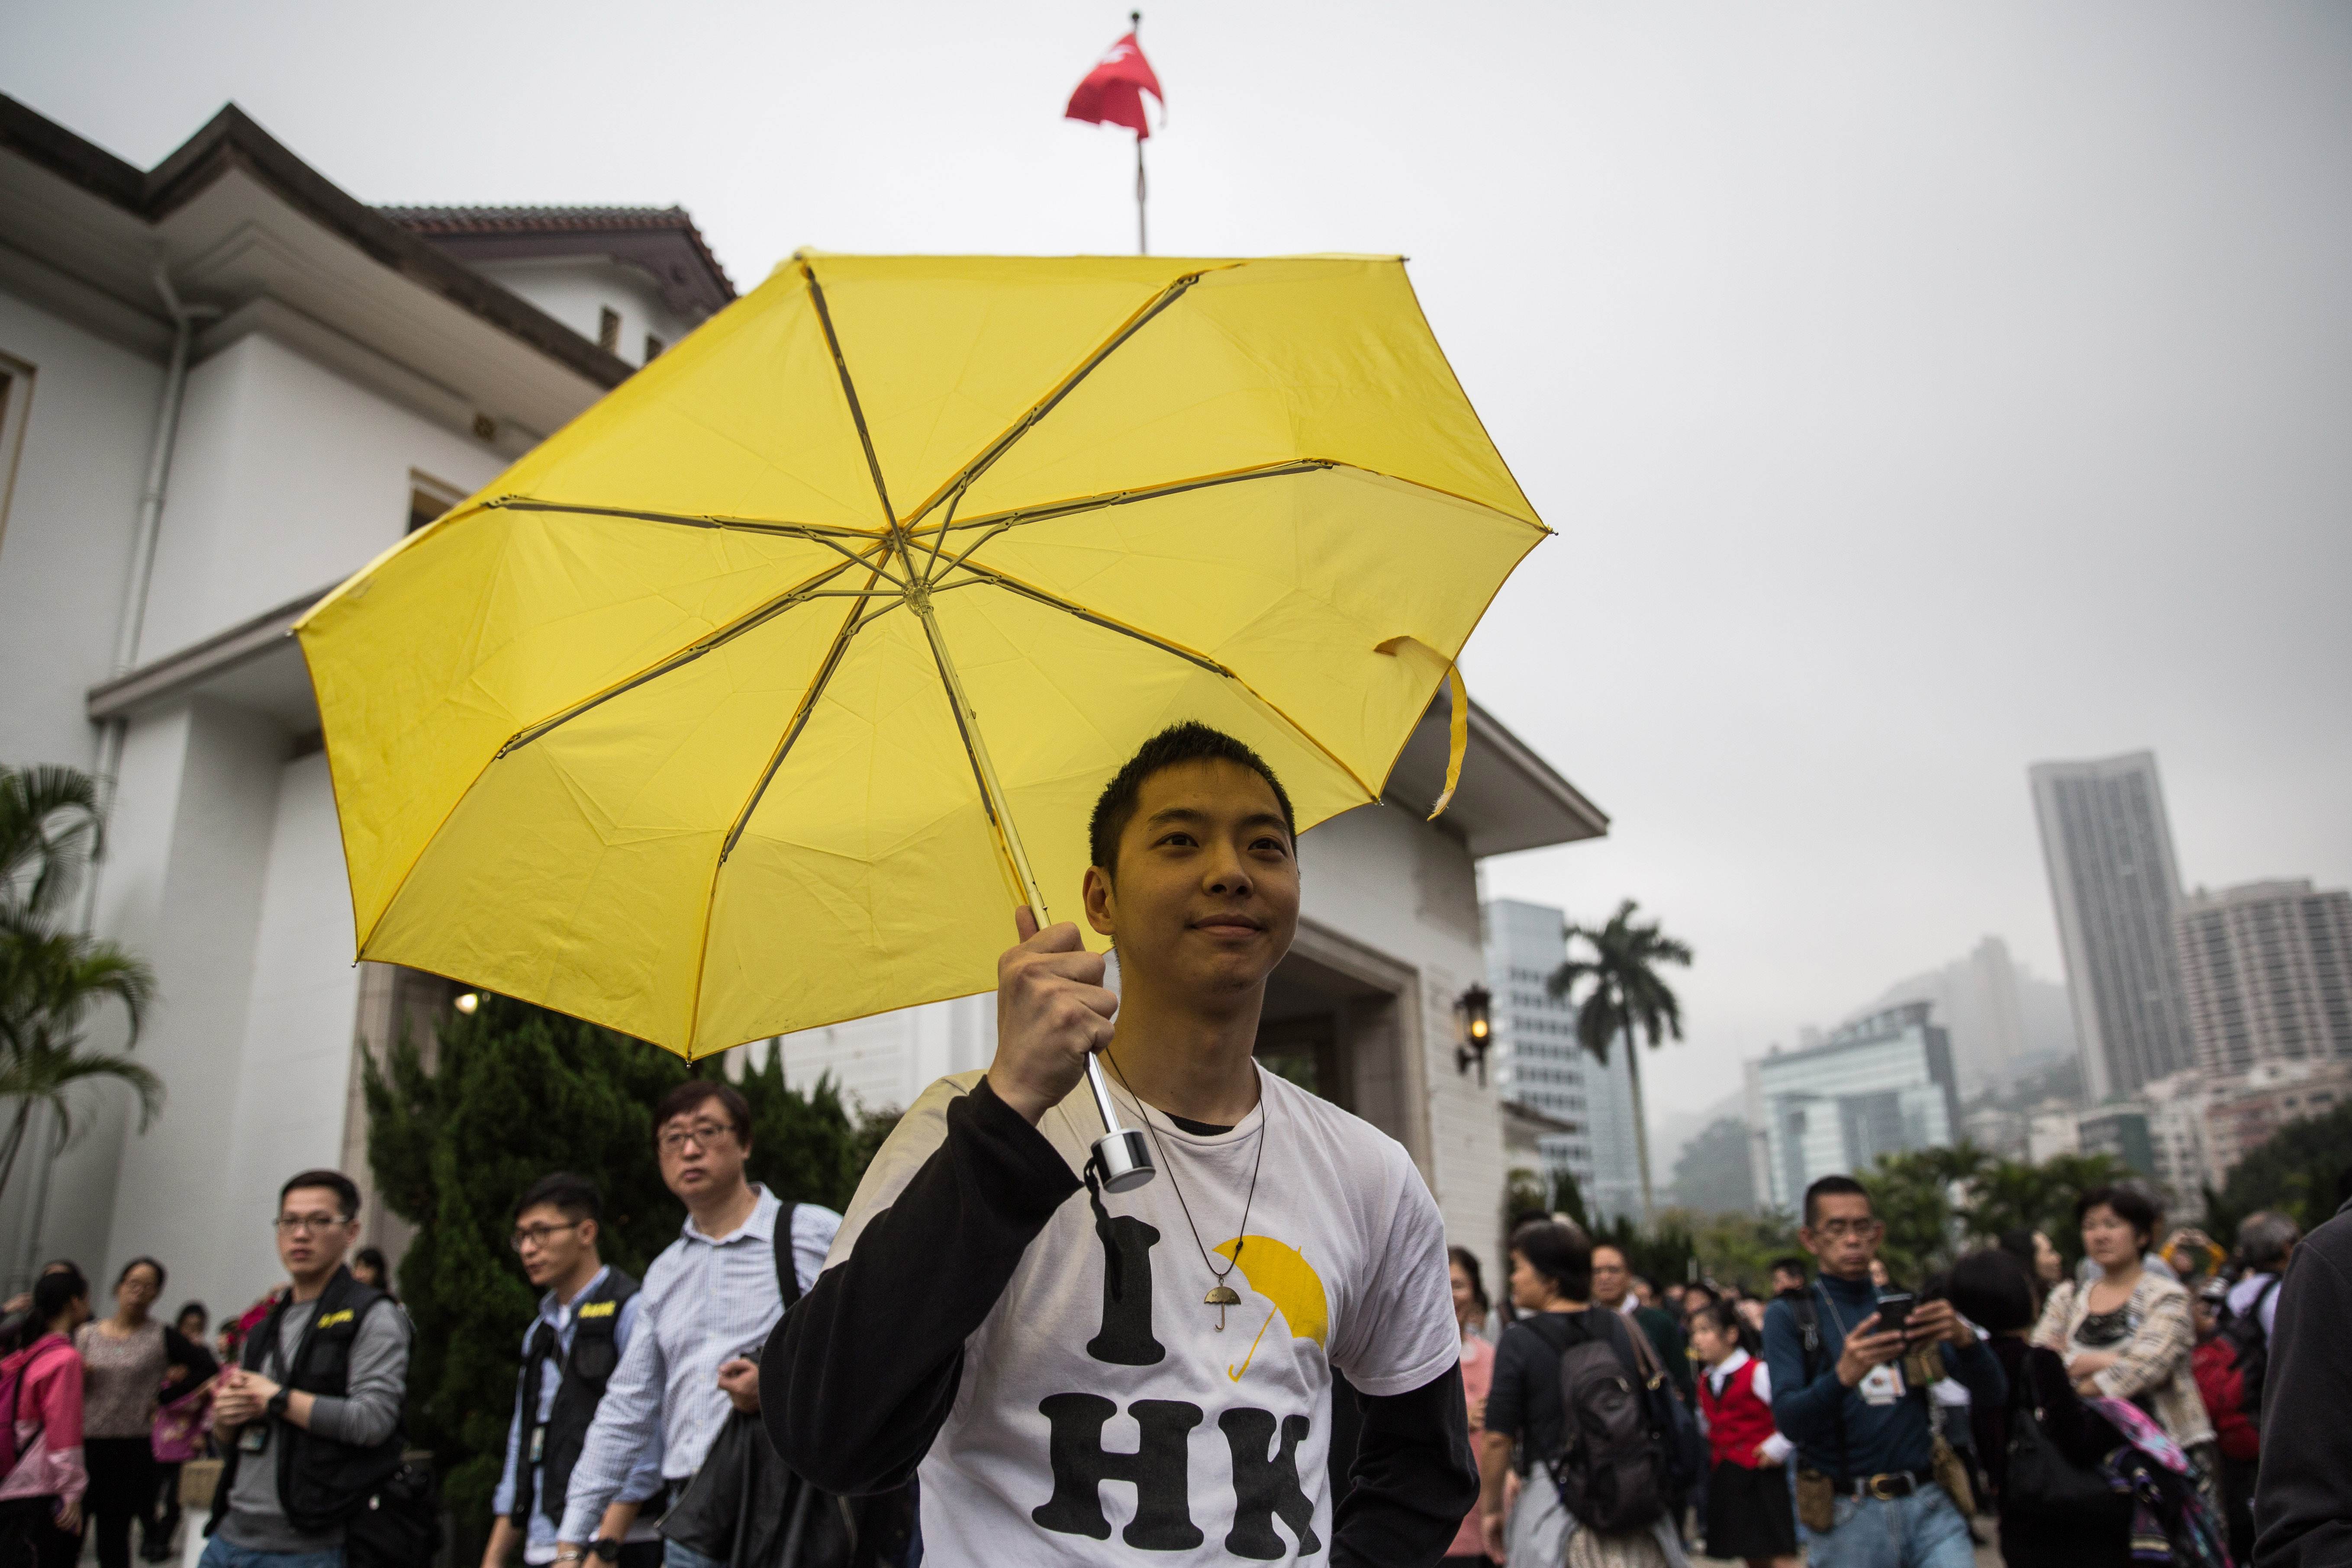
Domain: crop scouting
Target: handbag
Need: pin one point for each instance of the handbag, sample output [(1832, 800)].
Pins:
[(2043, 1481), (746, 1509), (399, 1525)]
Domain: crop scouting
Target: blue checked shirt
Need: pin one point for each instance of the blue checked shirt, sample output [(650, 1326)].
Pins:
[(705, 1301), (645, 1477)]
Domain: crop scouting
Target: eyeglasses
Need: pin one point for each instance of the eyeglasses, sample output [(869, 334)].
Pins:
[(701, 1134), (537, 1235), (307, 1223), (1845, 1227)]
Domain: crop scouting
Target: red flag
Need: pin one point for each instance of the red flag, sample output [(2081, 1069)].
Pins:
[(1113, 92)]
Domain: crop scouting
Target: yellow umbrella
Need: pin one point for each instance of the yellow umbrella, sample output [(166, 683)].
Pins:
[(713, 718)]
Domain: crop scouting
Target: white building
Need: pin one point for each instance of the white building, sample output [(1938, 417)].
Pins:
[(1538, 1063), (1881, 1086), (323, 376)]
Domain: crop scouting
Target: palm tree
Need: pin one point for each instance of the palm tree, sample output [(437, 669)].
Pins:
[(52, 980), (1626, 995)]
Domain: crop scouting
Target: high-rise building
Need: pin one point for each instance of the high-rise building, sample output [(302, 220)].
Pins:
[(1882, 1085), (1539, 1065), (2114, 880), (1980, 999), (2267, 970)]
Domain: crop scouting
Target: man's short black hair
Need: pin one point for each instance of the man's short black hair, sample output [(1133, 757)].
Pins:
[(346, 1191), (2129, 1205), (694, 1093), (1790, 1265), (1190, 741), (1560, 1253), (573, 1197), (1832, 1186)]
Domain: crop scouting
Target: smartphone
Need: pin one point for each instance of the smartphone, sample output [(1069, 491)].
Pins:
[(1893, 1312)]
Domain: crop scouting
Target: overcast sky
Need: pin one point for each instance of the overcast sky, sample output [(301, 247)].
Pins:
[(1918, 391)]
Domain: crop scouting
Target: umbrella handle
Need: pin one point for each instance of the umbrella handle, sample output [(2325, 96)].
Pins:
[(1122, 1155)]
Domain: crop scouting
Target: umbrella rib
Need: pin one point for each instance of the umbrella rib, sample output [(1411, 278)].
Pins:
[(1045, 405), (1038, 596), (750, 621), (815, 532), (999, 520), (850, 625), (849, 390)]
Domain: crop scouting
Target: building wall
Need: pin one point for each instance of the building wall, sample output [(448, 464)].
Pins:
[(288, 480), (193, 819), (2266, 973), (2109, 846), (64, 545), (577, 289)]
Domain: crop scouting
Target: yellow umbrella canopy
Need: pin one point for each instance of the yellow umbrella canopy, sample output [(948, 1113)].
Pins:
[(757, 697)]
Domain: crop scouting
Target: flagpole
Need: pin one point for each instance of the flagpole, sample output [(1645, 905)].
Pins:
[(1142, 246)]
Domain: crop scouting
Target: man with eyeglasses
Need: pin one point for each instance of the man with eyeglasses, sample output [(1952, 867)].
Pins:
[(1864, 1428), (575, 1342), (310, 1420), (705, 1308)]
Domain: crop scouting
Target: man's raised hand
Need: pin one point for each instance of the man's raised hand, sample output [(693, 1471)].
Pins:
[(1051, 1013)]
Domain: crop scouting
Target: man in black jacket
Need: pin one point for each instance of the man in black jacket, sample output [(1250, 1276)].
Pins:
[(1154, 1364), (309, 1421), (574, 1344), (2302, 1499)]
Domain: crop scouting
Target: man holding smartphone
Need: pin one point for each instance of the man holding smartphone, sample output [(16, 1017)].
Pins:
[(1867, 1488)]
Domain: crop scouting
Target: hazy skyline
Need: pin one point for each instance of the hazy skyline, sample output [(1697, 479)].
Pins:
[(1919, 393)]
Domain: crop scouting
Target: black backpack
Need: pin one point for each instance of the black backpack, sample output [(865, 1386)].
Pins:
[(2249, 1349), (1611, 1467)]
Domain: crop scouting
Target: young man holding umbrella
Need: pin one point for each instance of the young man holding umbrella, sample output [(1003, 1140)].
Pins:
[(1155, 1363)]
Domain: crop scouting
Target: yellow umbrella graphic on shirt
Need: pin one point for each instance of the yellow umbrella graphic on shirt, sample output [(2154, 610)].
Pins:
[(1278, 1273)]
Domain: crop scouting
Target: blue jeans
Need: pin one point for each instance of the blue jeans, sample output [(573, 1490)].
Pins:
[(219, 1553), (1922, 1530), (675, 1556)]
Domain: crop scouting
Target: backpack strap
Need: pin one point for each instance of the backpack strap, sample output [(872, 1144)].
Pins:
[(788, 1274)]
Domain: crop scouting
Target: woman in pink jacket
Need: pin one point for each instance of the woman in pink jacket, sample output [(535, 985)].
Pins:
[(41, 1497)]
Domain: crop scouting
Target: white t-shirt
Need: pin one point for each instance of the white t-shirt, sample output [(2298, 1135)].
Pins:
[(1083, 1431)]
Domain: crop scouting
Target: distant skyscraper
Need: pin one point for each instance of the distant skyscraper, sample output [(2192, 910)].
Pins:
[(1538, 1063), (1882, 1085), (1978, 999), (2111, 875), (2267, 970)]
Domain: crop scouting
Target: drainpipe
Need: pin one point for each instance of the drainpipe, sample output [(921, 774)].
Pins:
[(185, 318), (143, 534)]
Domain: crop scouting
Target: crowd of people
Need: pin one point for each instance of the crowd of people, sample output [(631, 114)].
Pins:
[(2110, 1415), (938, 1372)]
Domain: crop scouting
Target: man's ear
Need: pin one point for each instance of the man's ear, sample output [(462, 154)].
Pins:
[(589, 1231), (1102, 901)]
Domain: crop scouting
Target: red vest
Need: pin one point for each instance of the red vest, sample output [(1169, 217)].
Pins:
[(1737, 1423)]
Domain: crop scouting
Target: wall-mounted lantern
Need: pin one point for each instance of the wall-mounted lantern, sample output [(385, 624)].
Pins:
[(1473, 1013)]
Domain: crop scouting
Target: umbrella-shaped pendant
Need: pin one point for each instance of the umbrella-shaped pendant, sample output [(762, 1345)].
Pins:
[(1220, 1298)]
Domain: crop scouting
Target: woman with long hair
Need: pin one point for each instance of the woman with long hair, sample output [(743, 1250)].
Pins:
[(129, 1358), (1470, 1309), (1995, 1290), (2127, 1334), (40, 1499)]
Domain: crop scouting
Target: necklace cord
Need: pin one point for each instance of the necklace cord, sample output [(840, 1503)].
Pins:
[(1256, 1162)]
